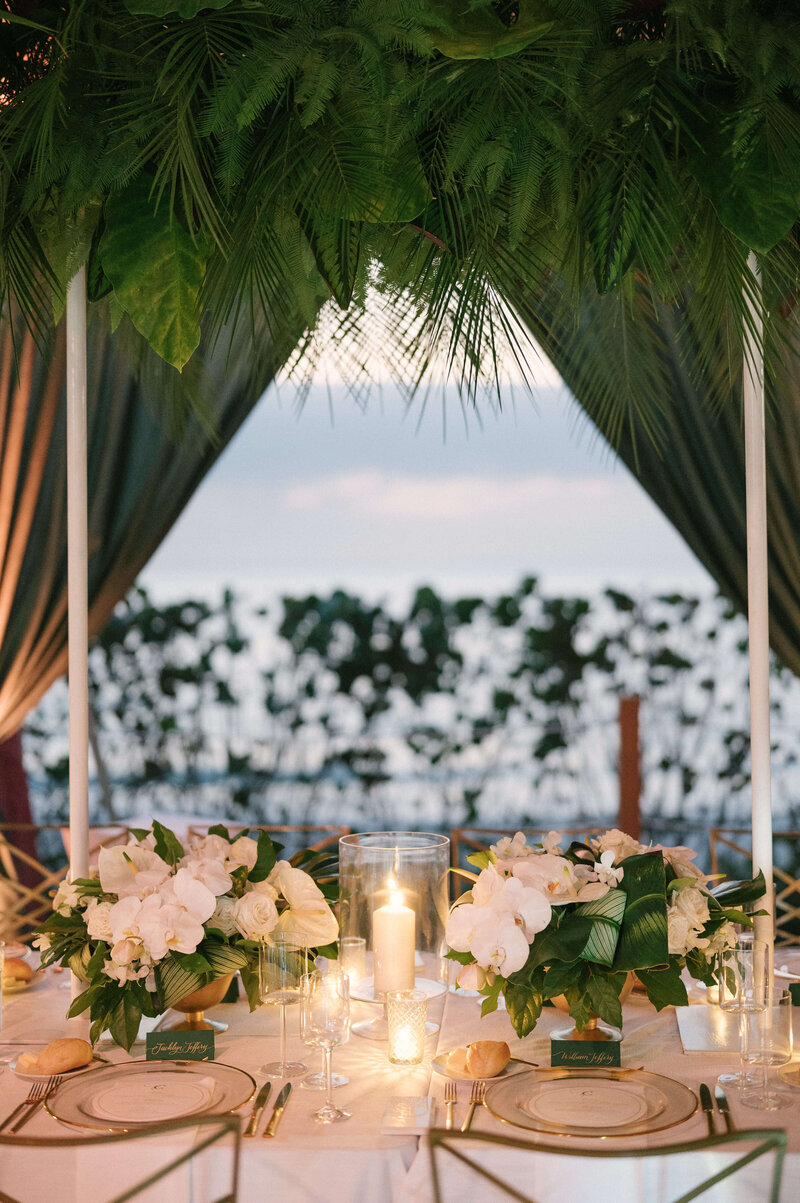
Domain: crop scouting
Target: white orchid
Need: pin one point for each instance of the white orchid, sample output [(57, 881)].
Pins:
[(552, 843), (511, 848), (132, 871), (67, 897), (168, 927), (209, 870), (186, 891), (604, 868), (243, 851), (559, 879), (498, 926)]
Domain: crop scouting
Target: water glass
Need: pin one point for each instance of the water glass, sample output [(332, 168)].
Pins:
[(282, 962), (325, 1022), (353, 957), (406, 1014), (768, 1042)]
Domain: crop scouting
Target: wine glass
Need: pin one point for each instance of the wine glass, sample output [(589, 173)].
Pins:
[(325, 1021), (282, 962), (769, 1042), (742, 980), (316, 1081)]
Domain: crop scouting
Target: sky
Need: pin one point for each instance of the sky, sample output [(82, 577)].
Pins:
[(381, 498)]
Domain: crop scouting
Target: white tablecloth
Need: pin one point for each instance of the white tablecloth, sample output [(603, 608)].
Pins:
[(338, 1163)]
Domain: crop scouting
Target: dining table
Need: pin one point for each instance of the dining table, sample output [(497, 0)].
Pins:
[(358, 1159)]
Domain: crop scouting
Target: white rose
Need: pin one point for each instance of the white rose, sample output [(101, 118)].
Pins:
[(98, 923), (618, 842), (223, 918), (243, 851), (692, 903), (686, 918), (255, 914), (678, 933)]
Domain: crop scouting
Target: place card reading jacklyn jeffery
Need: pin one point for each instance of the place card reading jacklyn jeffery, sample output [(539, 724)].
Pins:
[(180, 1046)]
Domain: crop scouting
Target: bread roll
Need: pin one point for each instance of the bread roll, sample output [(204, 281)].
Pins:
[(487, 1058), (457, 1061), (17, 971), (63, 1055), (26, 1063)]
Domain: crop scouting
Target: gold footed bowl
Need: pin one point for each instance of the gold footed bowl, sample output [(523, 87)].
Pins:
[(595, 1029), (195, 1004)]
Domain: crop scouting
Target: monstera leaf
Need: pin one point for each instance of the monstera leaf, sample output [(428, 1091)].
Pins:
[(643, 935)]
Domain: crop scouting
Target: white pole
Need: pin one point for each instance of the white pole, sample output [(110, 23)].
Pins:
[(758, 611), (77, 588)]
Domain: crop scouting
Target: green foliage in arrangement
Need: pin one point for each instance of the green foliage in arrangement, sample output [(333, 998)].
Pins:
[(470, 161)]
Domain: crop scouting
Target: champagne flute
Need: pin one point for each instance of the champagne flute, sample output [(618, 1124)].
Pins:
[(325, 1021), (282, 962)]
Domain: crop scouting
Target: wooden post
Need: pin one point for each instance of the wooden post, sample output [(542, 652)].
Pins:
[(630, 778)]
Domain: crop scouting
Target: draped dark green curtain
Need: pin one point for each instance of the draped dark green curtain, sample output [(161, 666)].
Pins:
[(152, 436), (691, 460)]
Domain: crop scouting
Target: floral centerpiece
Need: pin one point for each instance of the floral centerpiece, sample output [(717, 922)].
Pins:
[(156, 922), (540, 922)]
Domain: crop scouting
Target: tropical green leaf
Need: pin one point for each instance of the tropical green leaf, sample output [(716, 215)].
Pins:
[(266, 858), (174, 982), (167, 844), (664, 986), (123, 1023), (252, 986), (156, 270), (606, 915), (735, 894), (336, 246), (524, 1006), (164, 8), (225, 958), (643, 936), (566, 943), (465, 31), (603, 990)]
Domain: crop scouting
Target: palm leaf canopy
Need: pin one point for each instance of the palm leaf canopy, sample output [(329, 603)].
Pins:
[(221, 159)]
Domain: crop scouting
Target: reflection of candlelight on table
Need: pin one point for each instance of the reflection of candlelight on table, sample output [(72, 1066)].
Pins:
[(393, 941)]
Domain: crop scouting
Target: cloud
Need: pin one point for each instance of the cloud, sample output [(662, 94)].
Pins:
[(406, 496)]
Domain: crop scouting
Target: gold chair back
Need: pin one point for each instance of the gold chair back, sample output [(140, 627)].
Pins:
[(494, 1168), (33, 861), (466, 840), (195, 1159), (732, 853)]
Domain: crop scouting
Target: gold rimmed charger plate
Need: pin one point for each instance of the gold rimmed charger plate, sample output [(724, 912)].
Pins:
[(145, 1094), (591, 1103)]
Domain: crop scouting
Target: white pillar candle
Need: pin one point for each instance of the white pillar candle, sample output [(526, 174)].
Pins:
[(393, 941)]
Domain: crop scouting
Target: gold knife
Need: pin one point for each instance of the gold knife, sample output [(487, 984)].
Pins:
[(258, 1107), (724, 1109), (278, 1110), (708, 1107)]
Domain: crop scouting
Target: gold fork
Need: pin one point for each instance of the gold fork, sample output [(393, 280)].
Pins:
[(35, 1095), (450, 1100), (476, 1097), (46, 1088)]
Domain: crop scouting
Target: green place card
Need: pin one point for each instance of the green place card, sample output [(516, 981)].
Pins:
[(794, 990), (180, 1046), (588, 1054)]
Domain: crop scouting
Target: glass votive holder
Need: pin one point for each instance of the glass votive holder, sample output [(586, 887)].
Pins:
[(353, 957), (406, 1016)]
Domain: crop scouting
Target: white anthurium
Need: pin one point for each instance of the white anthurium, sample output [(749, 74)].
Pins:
[(131, 871), (243, 851), (307, 912), (209, 870), (255, 914), (191, 894), (168, 928)]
